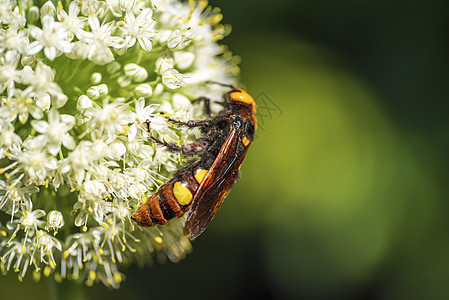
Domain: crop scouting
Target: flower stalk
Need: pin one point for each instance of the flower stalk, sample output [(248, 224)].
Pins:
[(67, 290)]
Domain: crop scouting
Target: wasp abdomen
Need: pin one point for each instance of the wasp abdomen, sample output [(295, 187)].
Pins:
[(171, 200)]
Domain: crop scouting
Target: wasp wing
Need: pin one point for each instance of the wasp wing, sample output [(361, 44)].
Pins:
[(215, 185)]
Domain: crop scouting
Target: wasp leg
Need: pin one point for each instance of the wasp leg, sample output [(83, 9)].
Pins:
[(206, 103), (148, 126), (198, 123), (207, 123), (187, 150), (192, 123)]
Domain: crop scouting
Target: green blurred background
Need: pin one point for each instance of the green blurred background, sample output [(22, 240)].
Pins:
[(344, 193)]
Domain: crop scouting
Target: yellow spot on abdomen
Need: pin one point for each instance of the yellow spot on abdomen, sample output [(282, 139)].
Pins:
[(199, 175), (182, 193), (245, 141)]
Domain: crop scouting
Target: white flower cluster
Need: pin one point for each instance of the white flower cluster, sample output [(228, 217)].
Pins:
[(81, 84)]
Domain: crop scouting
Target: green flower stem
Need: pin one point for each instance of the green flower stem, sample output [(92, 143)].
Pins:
[(66, 290)]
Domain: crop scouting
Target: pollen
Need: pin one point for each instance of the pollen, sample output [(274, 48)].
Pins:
[(125, 129), (52, 264), (92, 275), (117, 277), (182, 193), (199, 175)]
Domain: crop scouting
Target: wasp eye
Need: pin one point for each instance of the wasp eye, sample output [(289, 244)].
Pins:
[(249, 128)]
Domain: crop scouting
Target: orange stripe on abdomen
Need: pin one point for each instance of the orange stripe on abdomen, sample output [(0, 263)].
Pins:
[(144, 215), (170, 206)]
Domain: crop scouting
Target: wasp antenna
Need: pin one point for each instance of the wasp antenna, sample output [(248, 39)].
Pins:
[(222, 84)]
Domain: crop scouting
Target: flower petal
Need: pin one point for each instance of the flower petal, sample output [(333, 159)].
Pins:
[(50, 52), (40, 126), (34, 48), (68, 141), (145, 43)]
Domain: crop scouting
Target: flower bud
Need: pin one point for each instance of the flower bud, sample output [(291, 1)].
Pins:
[(163, 64), (55, 221), (173, 79), (178, 40), (113, 67), (28, 60), (59, 99), (184, 59), (143, 90), (95, 78), (159, 89), (48, 9), (33, 14), (43, 102), (136, 72), (92, 190), (93, 92), (103, 89), (97, 91), (84, 103), (124, 81)]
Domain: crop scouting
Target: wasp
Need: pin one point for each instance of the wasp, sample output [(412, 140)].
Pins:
[(200, 188)]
